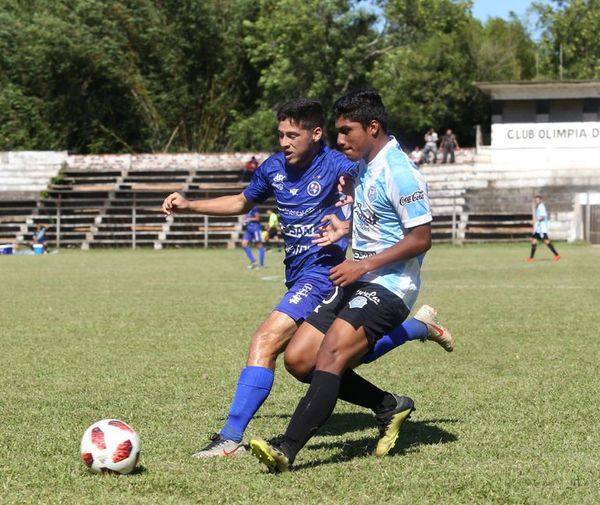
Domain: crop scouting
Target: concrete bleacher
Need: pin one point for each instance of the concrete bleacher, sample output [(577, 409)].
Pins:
[(115, 200)]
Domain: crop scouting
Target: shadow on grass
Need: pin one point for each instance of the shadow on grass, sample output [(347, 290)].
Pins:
[(414, 434)]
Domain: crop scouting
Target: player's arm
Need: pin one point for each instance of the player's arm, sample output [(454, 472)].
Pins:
[(230, 205), (417, 241)]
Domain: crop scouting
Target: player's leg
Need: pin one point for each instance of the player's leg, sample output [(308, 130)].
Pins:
[(248, 250), (254, 384), (552, 249), (267, 343), (533, 248), (425, 325), (260, 247), (341, 346)]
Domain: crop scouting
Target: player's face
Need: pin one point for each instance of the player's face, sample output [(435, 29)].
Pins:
[(353, 139), (299, 145)]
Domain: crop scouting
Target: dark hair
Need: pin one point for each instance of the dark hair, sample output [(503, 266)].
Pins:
[(306, 113), (362, 107), (539, 196)]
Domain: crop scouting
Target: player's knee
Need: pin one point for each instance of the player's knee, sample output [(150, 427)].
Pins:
[(297, 365), (265, 347)]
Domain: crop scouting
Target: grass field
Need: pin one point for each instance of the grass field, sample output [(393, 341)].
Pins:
[(157, 338)]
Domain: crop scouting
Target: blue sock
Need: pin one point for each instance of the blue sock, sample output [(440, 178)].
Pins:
[(248, 252), (254, 385), (411, 329), (261, 256)]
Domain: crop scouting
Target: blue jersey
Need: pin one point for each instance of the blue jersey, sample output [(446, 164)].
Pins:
[(304, 197), (251, 225), (390, 198)]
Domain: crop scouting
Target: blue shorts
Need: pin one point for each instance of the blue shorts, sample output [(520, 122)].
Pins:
[(252, 236), (304, 295)]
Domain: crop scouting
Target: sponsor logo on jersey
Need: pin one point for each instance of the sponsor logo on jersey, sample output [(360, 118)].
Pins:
[(296, 212), (314, 188), (278, 181), (294, 191), (358, 302), (365, 215), (298, 230), (295, 250), (359, 255), (301, 293), (415, 197)]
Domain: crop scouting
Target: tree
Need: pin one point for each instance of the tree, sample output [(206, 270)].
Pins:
[(314, 48), (572, 28)]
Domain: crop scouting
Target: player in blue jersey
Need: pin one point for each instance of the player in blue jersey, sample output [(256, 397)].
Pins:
[(303, 177), (540, 230), (253, 234), (374, 291)]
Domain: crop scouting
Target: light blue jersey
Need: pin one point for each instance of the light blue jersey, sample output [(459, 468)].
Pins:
[(541, 220), (390, 198)]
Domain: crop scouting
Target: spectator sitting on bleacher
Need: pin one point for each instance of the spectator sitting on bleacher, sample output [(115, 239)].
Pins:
[(39, 237), (249, 168), (416, 156)]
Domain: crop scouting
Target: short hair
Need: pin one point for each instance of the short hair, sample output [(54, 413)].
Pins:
[(362, 107), (304, 112), (539, 196)]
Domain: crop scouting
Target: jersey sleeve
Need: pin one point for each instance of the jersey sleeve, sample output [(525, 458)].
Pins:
[(259, 188), (408, 194)]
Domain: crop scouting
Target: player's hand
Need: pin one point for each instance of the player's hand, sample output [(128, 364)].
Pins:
[(333, 230), (175, 203), (346, 189), (347, 272)]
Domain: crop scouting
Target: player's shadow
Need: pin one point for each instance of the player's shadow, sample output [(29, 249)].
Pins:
[(414, 434)]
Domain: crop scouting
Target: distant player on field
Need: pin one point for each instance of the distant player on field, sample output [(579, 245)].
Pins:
[(540, 230), (391, 231), (253, 234), (304, 178)]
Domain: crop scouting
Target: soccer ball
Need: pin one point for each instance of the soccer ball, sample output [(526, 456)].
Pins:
[(110, 446)]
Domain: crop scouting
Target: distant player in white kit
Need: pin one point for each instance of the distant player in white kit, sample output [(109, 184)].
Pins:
[(540, 230)]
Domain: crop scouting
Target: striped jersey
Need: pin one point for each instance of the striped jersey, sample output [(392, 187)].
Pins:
[(390, 198)]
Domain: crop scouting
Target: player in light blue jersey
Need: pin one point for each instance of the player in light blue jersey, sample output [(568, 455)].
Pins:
[(253, 234), (303, 178), (374, 291), (540, 230)]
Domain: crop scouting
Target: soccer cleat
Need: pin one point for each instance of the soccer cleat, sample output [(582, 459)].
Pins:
[(220, 446), (530, 260), (556, 258), (435, 331), (390, 422), (251, 266), (270, 455)]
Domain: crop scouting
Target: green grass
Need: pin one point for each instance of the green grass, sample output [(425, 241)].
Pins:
[(157, 338)]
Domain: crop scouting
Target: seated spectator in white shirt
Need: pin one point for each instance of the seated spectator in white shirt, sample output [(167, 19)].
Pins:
[(416, 156)]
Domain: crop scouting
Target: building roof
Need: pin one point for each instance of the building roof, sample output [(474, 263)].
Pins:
[(540, 90)]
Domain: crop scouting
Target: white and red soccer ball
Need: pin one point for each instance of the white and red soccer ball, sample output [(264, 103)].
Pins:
[(110, 446)]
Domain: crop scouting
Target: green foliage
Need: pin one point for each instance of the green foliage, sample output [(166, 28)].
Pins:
[(574, 27), (170, 75), (510, 417)]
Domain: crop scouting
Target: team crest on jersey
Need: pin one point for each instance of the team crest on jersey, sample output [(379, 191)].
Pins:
[(294, 191), (358, 302), (314, 188), (371, 193)]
